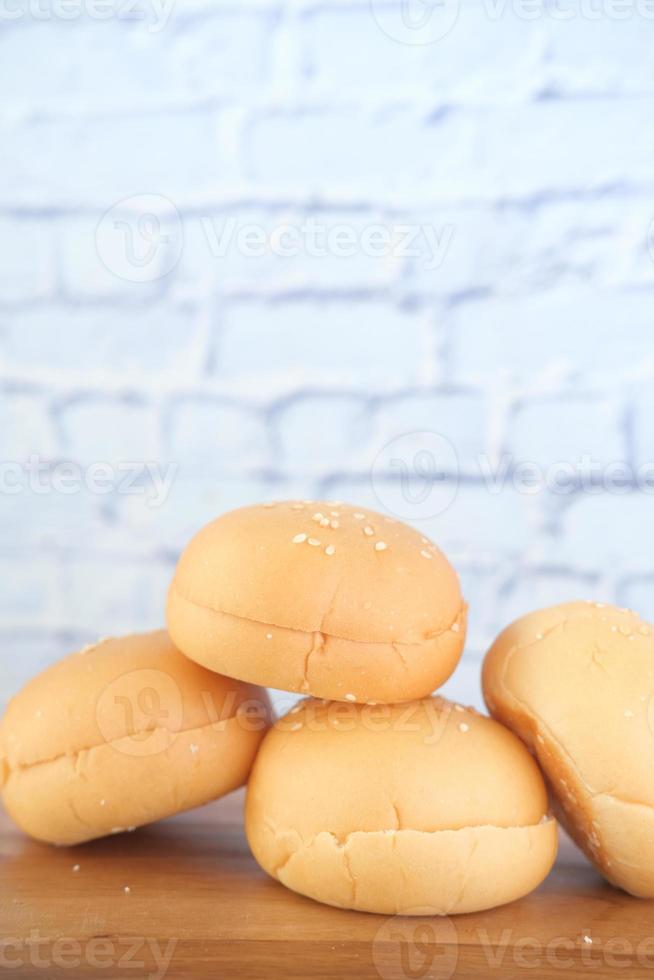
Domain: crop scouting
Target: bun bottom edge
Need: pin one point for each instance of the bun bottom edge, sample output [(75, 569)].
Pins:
[(409, 872), (306, 662)]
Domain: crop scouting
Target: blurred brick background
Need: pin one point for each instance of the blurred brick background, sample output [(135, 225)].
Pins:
[(524, 143)]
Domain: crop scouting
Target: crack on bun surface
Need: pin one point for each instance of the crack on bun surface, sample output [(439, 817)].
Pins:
[(576, 683), (255, 588), (398, 806)]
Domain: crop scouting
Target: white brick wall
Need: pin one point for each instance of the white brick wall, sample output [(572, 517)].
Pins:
[(257, 361)]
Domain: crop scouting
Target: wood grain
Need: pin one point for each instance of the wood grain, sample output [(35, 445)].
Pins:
[(198, 899)]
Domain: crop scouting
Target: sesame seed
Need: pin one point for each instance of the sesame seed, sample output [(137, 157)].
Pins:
[(455, 627), (76, 867), (368, 530), (299, 538), (269, 636), (325, 522), (314, 542), (317, 516), (457, 707), (127, 889), (359, 517), (350, 697), (587, 939), (194, 748), (103, 802), (463, 727), (334, 525), (381, 546), (425, 554), (330, 549), (539, 636)]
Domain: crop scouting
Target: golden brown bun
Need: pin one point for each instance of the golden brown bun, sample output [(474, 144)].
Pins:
[(399, 807), (575, 682), (123, 733), (381, 618)]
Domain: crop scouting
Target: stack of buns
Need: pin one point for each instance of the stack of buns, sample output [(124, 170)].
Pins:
[(370, 793)]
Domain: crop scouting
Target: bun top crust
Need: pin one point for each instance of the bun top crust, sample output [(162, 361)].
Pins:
[(582, 675), (117, 688), (322, 567), (427, 765)]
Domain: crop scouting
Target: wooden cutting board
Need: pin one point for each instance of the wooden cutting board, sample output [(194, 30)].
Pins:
[(198, 906)]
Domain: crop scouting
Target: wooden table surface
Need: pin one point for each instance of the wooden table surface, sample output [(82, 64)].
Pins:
[(198, 906)]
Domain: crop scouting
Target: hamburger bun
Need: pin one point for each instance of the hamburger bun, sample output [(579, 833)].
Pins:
[(399, 808), (319, 598), (123, 733), (576, 683)]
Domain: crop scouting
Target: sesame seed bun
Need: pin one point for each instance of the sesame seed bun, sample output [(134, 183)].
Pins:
[(123, 733), (576, 683), (320, 598), (398, 808)]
